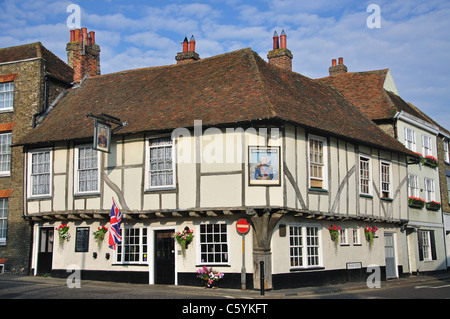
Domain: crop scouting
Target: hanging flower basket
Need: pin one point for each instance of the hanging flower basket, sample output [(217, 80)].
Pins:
[(415, 202), (334, 233), (99, 235), (63, 232), (209, 277), (433, 205), (430, 161), (184, 238), (370, 233)]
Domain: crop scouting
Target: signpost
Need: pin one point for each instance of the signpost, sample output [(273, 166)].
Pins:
[(243, 227)]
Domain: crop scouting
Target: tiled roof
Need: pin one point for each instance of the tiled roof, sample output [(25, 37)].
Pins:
[(231, 88), (366, 91), (54, 65)]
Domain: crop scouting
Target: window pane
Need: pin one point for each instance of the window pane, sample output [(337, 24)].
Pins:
[(214, 243), (40, 173), (161, 163), (87, 169)]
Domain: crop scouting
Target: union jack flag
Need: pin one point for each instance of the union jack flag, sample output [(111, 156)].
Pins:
[(114, 228)]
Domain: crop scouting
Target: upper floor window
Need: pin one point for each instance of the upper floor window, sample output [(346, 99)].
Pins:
[(6, 96), (160, 164), (447, 150), (365, 175), (386, 179), (5, 153), (39, 173), (410, 139), (317, 162), (87, 162), (413, 186), (429, 189), (426, 145)]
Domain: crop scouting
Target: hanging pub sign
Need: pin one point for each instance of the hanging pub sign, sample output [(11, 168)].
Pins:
[(264, 165), (102, 137)]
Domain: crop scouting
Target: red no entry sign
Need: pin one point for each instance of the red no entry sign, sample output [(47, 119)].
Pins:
[(242, 226)]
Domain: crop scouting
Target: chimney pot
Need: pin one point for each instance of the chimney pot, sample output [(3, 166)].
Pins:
[(341, 61), (333, 62), (185, 45), (283, 40), (77, 35), (84, 31), (92, 36), (192, 44), (275, 41), (72, 35)]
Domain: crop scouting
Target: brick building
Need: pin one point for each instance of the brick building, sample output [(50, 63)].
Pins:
[(31, 78)]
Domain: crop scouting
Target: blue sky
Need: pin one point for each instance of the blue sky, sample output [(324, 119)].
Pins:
[(413, 41)]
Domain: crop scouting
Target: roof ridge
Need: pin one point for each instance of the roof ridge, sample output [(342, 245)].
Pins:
[(356, 73), (159, 67)]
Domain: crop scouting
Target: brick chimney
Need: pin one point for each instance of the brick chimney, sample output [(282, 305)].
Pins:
[(188, 55), (337, 69), (280, 56), (83, 54)]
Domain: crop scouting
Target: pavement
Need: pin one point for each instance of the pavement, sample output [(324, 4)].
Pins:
[(170, 291)]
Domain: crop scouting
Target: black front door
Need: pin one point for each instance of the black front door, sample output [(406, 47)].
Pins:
[(164, 257), (45, 252)]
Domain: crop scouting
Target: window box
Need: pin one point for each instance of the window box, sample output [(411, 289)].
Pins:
[(430, 161), (433, 206), (416, 202)]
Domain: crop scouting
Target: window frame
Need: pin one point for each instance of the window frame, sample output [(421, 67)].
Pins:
[(9, 108), (356, 237), (413, 191), (324, 178), (343, 237), (202, 262), (446, 142), (30, 175), (427, 150), (370, 180), (9, 136), (304, 248), (4, 204), (432, 196), (76, 178), (447, 178), (410, 139), (388, 164), (148, 146), (143, 245)]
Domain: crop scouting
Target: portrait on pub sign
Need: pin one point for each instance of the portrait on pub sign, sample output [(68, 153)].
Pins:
[(264, 165)]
